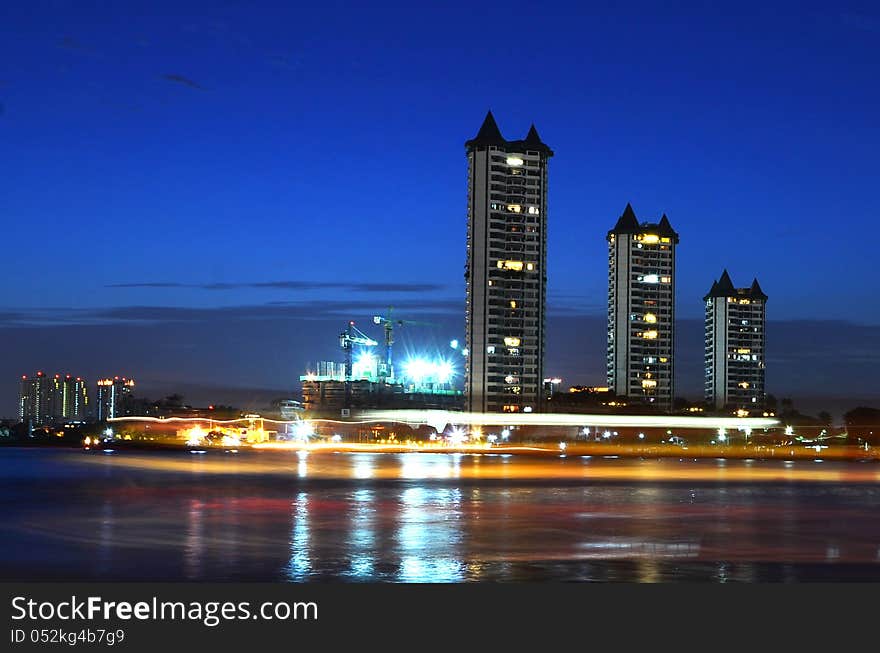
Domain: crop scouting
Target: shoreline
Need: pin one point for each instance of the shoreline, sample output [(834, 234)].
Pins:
[(849, 453)]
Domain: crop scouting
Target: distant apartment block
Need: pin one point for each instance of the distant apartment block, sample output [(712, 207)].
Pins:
[(48, 399), (735, 355), (110, 397), (641, 309)]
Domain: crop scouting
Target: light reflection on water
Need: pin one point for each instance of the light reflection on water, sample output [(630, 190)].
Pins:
[(300, 561), (420, 517)]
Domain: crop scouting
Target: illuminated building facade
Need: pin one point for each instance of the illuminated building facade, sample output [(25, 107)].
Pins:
[(110, 397), (35, 399), (45, 399), (74, 399), (505, 272), (735, 356), (641, 309)]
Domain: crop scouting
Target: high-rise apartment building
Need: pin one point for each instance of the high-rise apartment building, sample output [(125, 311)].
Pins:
[(110, 395), (506, 271), (641, 309), (735, 355), (35, 399), (45, 399)]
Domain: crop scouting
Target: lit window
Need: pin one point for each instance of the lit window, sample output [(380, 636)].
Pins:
[(650, 335), (512, 303), (533, 210), (665, 239), (512, 342), (511, 265), (514, 161), (666, 279), (745, 301), (650, 317), (744, 351), (530, 266), (490, 349), (650, 238), (650, 278), (514, 208), (663, 359), (649, 383)]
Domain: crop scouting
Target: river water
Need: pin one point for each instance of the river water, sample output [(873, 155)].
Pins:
[(432, 517)]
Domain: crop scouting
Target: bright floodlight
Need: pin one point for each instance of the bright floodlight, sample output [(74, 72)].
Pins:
[(444, 371), (303, 430), (364, 365), (457, 436), (417, 369), (454, 344)]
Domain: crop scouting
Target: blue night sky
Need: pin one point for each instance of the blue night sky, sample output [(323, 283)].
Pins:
[(206, 193)]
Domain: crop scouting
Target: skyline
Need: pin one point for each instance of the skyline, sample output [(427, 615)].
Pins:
[(176, 192)]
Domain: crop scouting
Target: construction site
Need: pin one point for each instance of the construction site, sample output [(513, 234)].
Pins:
[(369, 377)]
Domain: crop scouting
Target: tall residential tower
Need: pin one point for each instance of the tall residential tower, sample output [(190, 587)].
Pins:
[(735, 345), (506, 270), (110, 397), (641, 309)]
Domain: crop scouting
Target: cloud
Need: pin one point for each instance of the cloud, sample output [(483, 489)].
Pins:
[(153, 315), (180, 79), (291, 285)]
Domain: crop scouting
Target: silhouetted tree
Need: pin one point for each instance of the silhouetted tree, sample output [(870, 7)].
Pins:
[(863, 423)]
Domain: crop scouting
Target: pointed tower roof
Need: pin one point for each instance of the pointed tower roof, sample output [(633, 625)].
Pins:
[(664, 227), (711, 292), (627, 223), (725, 285), (489, 134), (722, 288), (756, 292), (533, 142)]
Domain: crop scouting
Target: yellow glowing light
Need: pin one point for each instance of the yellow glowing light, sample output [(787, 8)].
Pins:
[(649, 383), (514, 208), (650, 335), (650, 238), (510, 265), (744, 350), (650, 317), (512, 342)]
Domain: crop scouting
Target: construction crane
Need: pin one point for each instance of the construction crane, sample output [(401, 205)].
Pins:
[(386, 369), (348, 339)]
